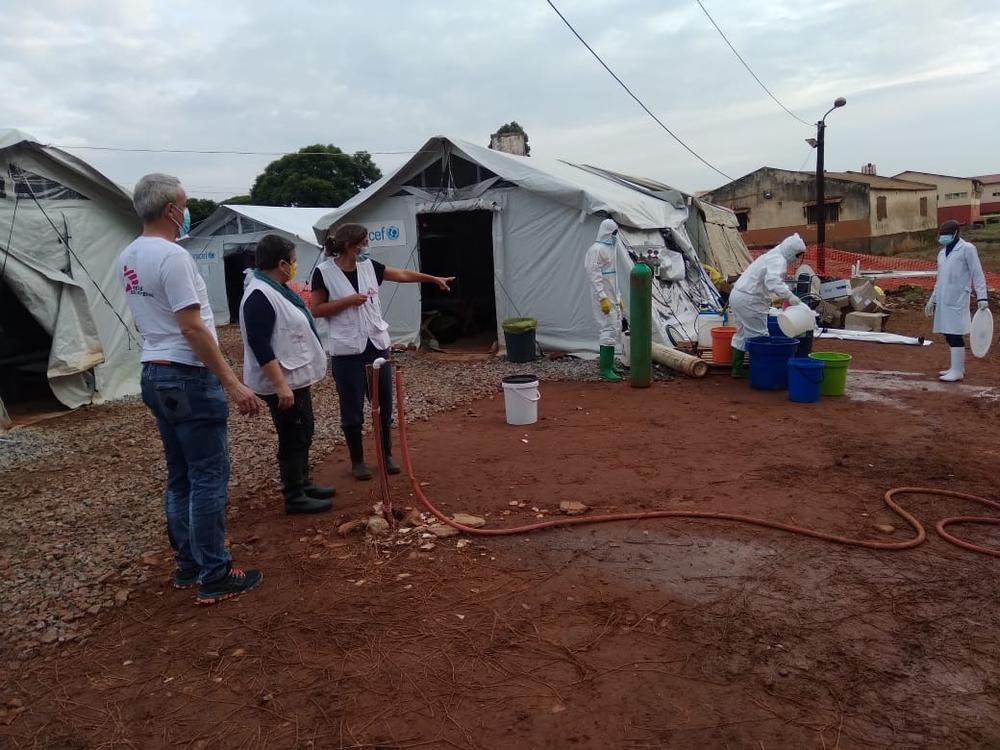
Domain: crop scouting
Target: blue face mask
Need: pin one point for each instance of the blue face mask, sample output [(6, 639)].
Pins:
[(945, 239), (364, 255), (184, 228)]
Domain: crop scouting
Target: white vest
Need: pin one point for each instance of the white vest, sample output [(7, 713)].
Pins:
[(298, 351), (351, 329)]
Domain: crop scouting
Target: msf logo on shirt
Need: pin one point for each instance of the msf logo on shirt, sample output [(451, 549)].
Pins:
[(132, 285)]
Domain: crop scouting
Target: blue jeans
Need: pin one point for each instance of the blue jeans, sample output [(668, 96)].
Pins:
[(191, 412)]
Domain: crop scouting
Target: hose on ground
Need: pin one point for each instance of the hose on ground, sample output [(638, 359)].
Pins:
[(888, 498)]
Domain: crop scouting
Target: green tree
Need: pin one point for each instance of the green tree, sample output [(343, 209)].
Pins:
[(201, 209), (238, 200), (316, 175), (513, 127)]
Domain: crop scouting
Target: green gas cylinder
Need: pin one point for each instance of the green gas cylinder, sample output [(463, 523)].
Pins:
[(640, 307)]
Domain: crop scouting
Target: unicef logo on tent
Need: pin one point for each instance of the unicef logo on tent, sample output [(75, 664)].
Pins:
[(386, 233)]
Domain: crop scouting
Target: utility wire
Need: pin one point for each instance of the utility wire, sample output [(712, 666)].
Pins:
[(638, 101), (747, 66)]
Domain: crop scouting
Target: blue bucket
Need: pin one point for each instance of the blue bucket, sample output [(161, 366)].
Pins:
[(804, 378), (773, 329), (769, 357)]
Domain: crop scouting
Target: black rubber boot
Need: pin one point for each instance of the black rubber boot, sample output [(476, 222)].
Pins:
[(292, 485), (308, 488), (356, 447), (391, 467)]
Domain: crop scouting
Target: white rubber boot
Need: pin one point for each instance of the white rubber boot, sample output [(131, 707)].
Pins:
[(957, 371)]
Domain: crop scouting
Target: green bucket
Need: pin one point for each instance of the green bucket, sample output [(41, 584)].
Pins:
[(835, 365)]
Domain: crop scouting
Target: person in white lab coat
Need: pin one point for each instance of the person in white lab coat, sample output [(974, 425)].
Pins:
[(959, 270), (753, 291), (608, 306)]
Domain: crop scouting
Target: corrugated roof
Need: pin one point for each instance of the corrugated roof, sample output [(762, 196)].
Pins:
[(932, 174), (987, 179), (881, 183)]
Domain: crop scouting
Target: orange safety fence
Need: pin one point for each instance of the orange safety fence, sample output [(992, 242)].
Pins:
[(839, 264)]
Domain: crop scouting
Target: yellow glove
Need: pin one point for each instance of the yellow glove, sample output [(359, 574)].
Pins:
[(605, 306), (621, 305)]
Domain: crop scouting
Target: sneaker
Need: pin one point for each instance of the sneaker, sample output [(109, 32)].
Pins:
[(235, 583), (185, 579)]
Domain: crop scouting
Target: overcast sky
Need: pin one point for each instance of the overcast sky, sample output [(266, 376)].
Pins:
[(920, 77)]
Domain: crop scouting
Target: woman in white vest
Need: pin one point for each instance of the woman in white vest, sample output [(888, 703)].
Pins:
[(345, 291), (959, 270), (282, 358)]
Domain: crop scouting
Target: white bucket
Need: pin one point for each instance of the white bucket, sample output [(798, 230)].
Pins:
[(704, 325), (796, 320), (520, 399)]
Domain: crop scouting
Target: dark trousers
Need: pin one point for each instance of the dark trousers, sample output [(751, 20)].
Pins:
[(295, 425), (954, 340), (351, 378)]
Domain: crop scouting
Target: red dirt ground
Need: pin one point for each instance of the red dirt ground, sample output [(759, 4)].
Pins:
[(676, 633)]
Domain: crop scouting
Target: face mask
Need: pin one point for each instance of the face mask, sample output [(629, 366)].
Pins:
[(364, 255), (293, 270), (184, 228), (945, 239)]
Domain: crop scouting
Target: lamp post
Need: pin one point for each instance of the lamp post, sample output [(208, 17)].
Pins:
[(818, 143)]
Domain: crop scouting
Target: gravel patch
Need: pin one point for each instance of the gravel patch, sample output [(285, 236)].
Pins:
[(81, 521)]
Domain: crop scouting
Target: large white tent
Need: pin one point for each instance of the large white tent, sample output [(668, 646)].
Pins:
[(62, 225), (222, 246), (544, 215)]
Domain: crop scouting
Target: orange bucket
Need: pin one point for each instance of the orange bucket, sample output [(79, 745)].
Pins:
[(722, 344)]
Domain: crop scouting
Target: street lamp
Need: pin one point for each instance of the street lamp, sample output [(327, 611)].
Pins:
[(817, 143)]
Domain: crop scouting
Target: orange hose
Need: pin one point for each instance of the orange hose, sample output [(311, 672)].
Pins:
[(921, 534), (382, 478)]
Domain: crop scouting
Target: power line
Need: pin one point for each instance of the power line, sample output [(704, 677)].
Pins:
[(747, 66), (638, 101)]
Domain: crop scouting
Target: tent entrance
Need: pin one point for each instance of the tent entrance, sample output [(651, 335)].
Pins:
[(459, 244), (24, 360), (237, 257)]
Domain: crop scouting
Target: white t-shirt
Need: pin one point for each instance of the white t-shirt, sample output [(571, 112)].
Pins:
[(160, 278)]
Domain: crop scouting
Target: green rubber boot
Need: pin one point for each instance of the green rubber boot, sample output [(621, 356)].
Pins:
[(608, 364), (738, 371)]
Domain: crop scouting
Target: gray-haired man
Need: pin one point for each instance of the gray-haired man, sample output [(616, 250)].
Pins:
[(185, 381)]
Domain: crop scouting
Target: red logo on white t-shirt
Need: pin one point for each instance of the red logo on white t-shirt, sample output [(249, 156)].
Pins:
[(131, 279), (132, 285)]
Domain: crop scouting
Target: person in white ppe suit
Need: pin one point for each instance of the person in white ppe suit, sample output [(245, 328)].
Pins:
[(753, 291), (959, 270), (608, 307)]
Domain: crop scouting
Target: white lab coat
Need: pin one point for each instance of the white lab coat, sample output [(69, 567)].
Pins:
[(752, 292), (958, 272), (601, 266)]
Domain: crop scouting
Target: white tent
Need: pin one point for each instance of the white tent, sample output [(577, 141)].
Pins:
[(221, 245), (542, 216), (62, 225)]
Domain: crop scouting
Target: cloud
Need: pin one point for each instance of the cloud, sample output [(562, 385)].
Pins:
[(384, 76)]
